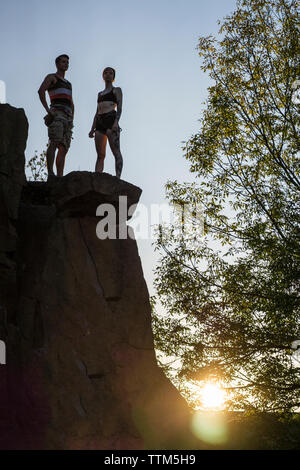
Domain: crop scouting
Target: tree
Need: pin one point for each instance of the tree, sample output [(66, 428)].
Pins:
[(232, 299), (38, 166)]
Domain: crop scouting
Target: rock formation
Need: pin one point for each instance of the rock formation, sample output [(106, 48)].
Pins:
[(13, 137), (81, 371)]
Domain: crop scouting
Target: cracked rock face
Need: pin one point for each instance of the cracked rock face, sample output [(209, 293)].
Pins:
[(13, 137), (81, 370)]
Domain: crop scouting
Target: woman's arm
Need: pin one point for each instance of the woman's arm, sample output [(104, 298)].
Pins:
[(119, 97), (92, 131)]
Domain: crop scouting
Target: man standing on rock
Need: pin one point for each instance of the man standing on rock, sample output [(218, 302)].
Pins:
[(60, 114)]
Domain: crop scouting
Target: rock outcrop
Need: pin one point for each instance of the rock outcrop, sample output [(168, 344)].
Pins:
[(13, 136), (81, 371)]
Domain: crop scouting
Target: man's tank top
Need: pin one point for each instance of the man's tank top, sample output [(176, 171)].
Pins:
[(61, 95)]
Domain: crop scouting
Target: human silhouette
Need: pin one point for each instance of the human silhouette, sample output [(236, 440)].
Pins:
[(60, 115), (106, 122)]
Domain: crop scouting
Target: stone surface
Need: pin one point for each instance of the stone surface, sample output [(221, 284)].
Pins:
[(13, 137), (80, 192), (81, 370)]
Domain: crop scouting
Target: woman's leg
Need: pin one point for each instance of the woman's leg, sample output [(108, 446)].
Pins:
[(114, 143), (100, 143)]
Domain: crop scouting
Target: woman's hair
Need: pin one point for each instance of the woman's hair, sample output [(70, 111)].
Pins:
[(110, 69), (60, 57)]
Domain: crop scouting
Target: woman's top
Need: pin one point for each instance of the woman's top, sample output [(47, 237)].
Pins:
[(107, 97)]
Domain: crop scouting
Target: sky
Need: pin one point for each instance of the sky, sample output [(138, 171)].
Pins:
[(151, 45)]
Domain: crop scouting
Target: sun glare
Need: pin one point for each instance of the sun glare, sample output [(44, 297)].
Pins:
[(212, 396)]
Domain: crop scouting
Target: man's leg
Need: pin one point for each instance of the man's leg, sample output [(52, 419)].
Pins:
[(55, 133), (50, 155), (60, 159)]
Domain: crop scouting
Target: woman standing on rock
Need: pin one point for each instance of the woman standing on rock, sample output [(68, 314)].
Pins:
[(106, 122)]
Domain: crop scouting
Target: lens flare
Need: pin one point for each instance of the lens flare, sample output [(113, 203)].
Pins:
[(210, 427), (212, 396)]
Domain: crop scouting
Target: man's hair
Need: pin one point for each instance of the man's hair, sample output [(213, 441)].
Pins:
[(60, 57), (110, 69)]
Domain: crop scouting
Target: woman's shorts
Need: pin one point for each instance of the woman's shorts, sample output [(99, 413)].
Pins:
[(105, 121)]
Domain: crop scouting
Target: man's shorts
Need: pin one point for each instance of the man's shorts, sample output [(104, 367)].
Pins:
[(60, 130)]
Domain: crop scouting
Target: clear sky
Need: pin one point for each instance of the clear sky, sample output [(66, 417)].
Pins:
[(152, 46)]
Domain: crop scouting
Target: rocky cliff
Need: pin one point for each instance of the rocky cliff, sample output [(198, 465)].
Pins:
[(81, 371)]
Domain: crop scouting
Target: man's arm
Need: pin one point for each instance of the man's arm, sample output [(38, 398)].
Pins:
[(43, 88)]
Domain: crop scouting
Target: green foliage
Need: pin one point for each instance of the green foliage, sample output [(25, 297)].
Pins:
[(38, 166), (232, 300), (260, 431)]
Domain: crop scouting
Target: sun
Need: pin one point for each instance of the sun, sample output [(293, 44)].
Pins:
[(212, 396)]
